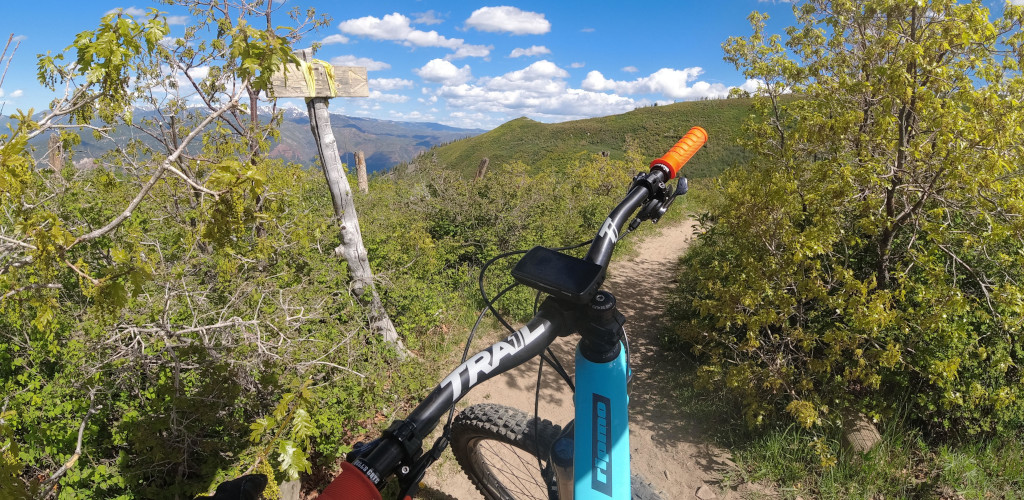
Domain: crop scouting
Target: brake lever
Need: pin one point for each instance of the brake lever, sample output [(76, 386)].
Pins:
[(682, 187), (409, 483), (659, 204)]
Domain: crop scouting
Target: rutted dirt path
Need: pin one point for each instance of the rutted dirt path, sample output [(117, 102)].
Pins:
[(667, 449)]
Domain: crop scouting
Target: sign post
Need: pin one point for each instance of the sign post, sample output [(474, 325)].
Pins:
[(318, 82)]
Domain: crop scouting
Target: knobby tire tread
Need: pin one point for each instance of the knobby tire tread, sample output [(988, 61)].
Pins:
[(513, 427), (503, 424)]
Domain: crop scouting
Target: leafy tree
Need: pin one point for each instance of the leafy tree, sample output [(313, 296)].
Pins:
[(154, 301), (869, 257)]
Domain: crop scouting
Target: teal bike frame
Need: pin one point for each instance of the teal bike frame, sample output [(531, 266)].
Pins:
[(601, 448)]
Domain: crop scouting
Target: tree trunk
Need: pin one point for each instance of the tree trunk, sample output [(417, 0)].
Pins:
[(351, 239), (364, 184)]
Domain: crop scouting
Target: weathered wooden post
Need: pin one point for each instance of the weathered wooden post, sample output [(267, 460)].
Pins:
[(364, 183), (318, 82), (56, 152), (481, 170)]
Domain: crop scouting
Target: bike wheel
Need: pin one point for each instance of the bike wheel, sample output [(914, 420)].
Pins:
[(498, 446)]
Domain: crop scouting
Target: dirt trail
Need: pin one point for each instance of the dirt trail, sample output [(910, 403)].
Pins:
[(666, 449)]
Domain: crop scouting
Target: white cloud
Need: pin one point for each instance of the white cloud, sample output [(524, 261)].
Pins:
[(442, 71), (19, 38), (396, 27), (561, 105), (392, 98), (199, 72), (671, 83), (630, 69), (542, 76), (335, 38), (413, 116), (754, 84), (588, 30), (577, 65), (428, 17), (470, 120), (1016, 2), (538, 90), (366, 62), (534, 50), (130, 11), (137, 12), (508, 19), (390, 83), (471, 51)]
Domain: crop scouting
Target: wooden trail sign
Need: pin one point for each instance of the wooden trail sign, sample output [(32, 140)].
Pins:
[(315, 78)]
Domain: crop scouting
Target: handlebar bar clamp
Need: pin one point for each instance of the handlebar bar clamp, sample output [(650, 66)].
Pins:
[(404, 432)]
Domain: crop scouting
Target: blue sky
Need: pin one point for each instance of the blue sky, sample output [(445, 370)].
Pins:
[(469, 64)]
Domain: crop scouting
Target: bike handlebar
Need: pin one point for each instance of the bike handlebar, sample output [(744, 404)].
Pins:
[(681, 153), (403, 440)]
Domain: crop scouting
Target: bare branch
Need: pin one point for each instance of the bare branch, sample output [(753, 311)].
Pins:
[(48, 487), (156, 176), (47, 122), (52, 286), (192, 183), (81, 273), (9, 59), (345, 368), (18, 242), (235, 321)]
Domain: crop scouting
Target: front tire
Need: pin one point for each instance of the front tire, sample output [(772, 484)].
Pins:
[(497, 446)]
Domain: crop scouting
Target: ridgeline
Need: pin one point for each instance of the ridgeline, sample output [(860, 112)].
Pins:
[(553, 146)]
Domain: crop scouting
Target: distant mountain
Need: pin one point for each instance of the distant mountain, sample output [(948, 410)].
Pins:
[(554, 146), (385, 143)]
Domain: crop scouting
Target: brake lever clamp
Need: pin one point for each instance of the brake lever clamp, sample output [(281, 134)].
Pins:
[(659, 190), (660, 199), (409, 478)]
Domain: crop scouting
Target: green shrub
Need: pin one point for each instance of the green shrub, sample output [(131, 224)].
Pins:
[(869, 257)]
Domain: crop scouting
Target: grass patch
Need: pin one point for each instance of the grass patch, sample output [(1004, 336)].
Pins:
[(903, 465)]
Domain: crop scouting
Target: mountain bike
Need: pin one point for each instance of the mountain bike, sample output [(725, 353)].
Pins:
[(506, 453)]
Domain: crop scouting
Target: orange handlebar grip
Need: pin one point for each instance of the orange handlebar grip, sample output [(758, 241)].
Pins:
[(351, 484), (682, 151)]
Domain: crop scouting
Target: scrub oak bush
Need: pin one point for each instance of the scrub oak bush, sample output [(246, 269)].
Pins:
[(870, 256)]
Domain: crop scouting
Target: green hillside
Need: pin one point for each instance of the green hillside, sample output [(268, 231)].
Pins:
[(655, 129)]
